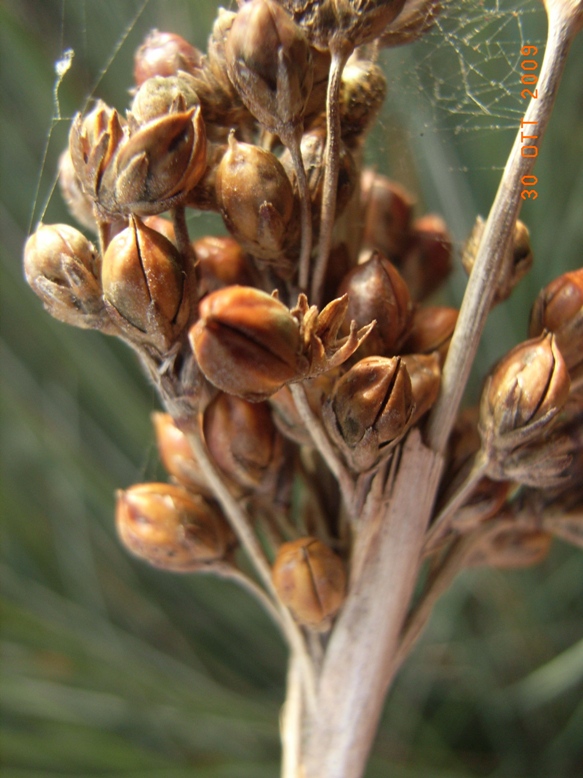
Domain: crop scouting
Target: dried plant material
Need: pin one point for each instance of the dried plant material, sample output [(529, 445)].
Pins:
[(164, 54), (170, 527), (559, 309), (524, 394), (143, 284), (311, 580), (62, 267), (376, 292)]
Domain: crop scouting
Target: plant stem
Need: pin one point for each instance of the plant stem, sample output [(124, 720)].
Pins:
[(322, 443), (293, 145), (359, 663), (441, 524), (498, 230), (331, 163), (242, 528)]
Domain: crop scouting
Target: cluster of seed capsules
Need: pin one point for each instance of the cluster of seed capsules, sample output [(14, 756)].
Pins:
[(226, 326)]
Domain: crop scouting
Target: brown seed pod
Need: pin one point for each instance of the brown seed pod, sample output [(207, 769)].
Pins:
[(310, 579), (176, 454), (94, 142), (330, 24), (244, 442), (362, 92), (428, 261), (559, 309), (159, 164), (62, 268), (312, 149), (387, 210), (143, 284), (431, 331), (221, 262), (523, 394), (376, 291), (256, 200), (161, 95), (247, 343), (164, 54), (515, 265), (79, 204), (375, 397), (269, 61), (510, 549), (425, 374), (170, 527)]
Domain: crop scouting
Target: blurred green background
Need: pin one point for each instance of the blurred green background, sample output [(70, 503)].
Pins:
[(113, 669)]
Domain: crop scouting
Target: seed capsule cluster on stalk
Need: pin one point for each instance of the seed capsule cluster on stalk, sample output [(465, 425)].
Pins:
[(283, 381)]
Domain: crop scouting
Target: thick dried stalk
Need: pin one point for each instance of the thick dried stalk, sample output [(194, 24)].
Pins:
[(359, 663)]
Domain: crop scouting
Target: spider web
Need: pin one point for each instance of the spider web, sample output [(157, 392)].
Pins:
[(466, 68), (460, 79)]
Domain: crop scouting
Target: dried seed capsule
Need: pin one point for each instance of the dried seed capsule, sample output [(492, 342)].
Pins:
[(559, 309), (221, 262), (542, 464), (216, 64), (244, 442), (256, 199), (247, 343), (362, 92), (164, 54), (524, 393), (376, 291), (170, 527), (425, 374), (431, 331), (312, 149), (94, 142), (374, 396), (387, 213), (62, 268), (416, 18), (487, 499), (515, 265), (335, 23), (161, 95), (269, 62), (159, 164), (176, 454), (79, 204), (310, 579), (143, 281), (287, 419), (427, 263), (512, 548)]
